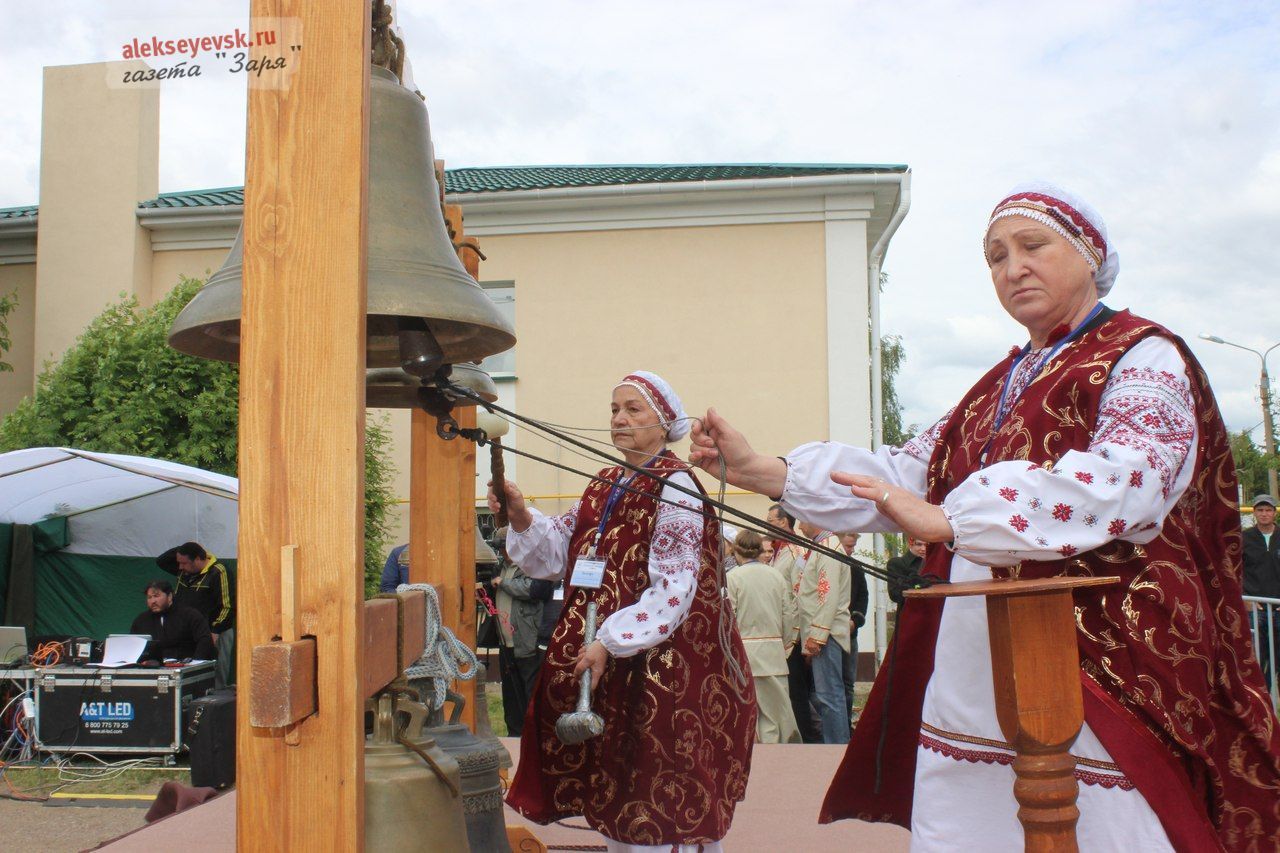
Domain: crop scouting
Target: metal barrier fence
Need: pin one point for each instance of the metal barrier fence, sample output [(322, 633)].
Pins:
[(1264, 619)]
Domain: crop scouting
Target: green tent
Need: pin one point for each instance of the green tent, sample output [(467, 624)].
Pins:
[(80, 531)]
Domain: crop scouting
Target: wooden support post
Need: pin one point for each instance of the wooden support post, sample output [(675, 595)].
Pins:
[(466, 630), (302, 358), (1035, 666)]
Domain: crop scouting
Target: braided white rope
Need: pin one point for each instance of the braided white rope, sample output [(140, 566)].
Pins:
[(445, 656)]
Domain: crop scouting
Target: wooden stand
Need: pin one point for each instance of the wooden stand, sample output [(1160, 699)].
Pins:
[(1035, 666)]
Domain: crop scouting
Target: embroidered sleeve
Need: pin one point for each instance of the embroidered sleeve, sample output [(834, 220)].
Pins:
[(674, 556), (1122, 487), (542, 550), (921, 447), (810, 495)]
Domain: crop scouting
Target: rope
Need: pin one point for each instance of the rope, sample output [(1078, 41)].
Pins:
[(445, 656), (913, 581)]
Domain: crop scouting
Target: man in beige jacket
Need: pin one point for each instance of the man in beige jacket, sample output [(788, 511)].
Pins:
[(766, 614), (826, 630), (788, 561)]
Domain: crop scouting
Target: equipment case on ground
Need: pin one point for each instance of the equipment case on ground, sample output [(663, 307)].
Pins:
[(126, 710)]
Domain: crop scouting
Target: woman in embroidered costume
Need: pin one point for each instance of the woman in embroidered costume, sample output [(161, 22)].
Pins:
[(668, 670), (1095, 449)]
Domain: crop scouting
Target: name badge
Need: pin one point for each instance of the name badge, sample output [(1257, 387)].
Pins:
[(588, 573)]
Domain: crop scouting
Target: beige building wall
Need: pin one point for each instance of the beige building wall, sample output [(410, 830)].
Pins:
[(168, 267), (20, 279), (99, 158), (733, 316)]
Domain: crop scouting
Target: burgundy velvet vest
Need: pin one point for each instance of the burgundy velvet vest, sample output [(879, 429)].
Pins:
[(1171, 686), (672, 763)]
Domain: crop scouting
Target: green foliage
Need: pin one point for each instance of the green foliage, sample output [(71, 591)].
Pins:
[(121, 389), (378, 500), (1251, 464), (892, 354), (8, 302)]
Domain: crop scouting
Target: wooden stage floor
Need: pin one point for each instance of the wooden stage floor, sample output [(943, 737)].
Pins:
[(780, 813)]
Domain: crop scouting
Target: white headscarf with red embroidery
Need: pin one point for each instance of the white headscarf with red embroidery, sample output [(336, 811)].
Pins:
[(662, 398), (1072, 217)]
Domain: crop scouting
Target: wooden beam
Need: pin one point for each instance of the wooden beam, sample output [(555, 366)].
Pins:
[(466, 630), (381, 642), (282, 686), (302, 414)]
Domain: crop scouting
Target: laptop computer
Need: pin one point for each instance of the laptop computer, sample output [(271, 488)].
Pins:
[(13, 645)]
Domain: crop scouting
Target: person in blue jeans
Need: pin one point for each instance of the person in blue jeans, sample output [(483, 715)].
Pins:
[(823, 599), (396, 570)]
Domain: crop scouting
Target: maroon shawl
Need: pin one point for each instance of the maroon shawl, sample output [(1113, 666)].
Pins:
[(1171, 686), (672, 763)]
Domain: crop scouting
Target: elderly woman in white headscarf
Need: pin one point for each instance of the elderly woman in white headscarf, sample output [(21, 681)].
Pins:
[(1094, 449), (668, 670)]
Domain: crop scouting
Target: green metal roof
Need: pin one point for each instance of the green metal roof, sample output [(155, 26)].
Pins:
[(197, 198), (515, 178), (18, 212), (506, 179)]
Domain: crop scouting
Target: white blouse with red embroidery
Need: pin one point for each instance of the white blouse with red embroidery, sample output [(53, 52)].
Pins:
[(542, 551), (1121, 487)]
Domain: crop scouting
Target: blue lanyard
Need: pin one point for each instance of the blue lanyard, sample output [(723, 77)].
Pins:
[(615, 495), (1008, 379)]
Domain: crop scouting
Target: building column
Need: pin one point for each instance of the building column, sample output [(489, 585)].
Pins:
[(99, 157)]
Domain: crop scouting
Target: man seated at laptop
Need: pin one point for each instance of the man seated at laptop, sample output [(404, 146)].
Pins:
[(176, 631)]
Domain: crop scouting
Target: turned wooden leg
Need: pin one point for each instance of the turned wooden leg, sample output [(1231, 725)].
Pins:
[(1036, 669)]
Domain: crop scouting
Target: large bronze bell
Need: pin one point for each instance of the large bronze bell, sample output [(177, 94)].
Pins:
[(412, 792), (424, 310)]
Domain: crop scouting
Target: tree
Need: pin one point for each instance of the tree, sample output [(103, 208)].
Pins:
[(892, 354), (7, 303), (122, 389), (1251, 464)]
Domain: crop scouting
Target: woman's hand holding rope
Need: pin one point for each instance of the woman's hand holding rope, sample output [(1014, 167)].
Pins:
[(715, 440), (518, 515)]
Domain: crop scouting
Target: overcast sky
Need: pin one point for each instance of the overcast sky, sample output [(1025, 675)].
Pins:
[(1166, 116)]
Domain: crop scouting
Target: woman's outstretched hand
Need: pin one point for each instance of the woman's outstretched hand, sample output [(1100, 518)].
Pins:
[(518, 515), (714, 440), (914, 515)]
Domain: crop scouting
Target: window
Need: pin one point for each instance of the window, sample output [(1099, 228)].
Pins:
[(503, 294)]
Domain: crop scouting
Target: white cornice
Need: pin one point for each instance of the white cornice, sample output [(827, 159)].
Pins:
[(816, 198), (179, 228), (18, 241), (747, 202)]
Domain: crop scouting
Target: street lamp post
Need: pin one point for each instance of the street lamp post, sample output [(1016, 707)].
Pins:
[(1264, 390)]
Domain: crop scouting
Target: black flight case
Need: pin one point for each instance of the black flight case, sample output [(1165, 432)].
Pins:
[(129, 710)]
